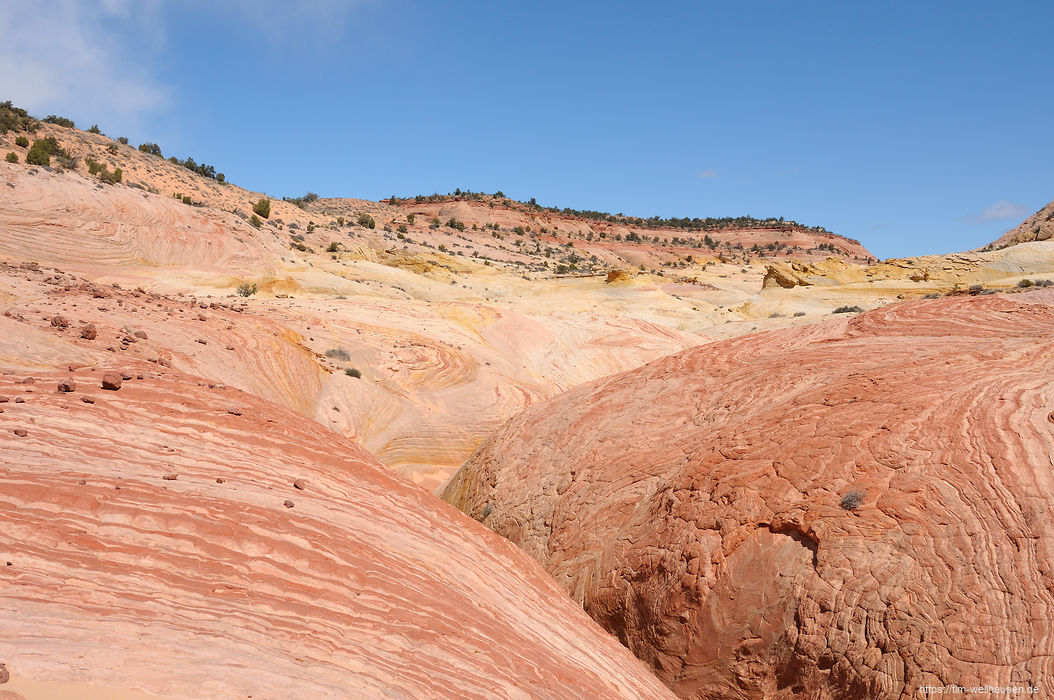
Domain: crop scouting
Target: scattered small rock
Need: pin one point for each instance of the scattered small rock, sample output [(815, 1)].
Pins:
[(126, 376), (19, 399), (88, 331), (234, 411), (4, 675), (170, 477), (203, 341), (67, 386), (27, 380), (140, 334), (219, 480), (289, 504), (111, 381), (87, 399), (300, 484), (4, 399), (60, 322), (21, 432)]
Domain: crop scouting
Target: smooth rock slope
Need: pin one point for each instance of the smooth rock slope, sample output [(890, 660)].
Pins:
[(179, 538), (857, 508)]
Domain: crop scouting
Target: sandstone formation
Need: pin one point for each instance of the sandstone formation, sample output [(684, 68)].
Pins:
[(857, 508), (1038, 227), (149, 547)]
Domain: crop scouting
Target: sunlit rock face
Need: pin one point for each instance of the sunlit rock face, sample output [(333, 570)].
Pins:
[(856, 508)]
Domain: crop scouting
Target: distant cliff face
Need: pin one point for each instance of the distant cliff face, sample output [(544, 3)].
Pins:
[(852, 509), (169, 533), (1038, 227)]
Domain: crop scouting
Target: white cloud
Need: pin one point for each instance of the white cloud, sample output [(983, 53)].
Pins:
[(1000, 211), (708, 174), (81, 59)]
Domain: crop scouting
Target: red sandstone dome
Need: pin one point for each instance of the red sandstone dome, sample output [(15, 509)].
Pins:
[(853, 509)]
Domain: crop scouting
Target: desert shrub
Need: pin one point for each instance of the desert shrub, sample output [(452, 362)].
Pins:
[(338, 354), (1025, 283), (333, 247), (255, 221), (111, 178), (367, 221), (455, 224), (410, 218), (94, 129), (11, 157), (352, 372), (41, 151), (519, 230), (93, 165), (22, 141), (932, 296), (60, 121), (402, 228), (15, 118), (188, 200), (301, 201), (442, 248), (851, 500), (151, 148), (247, 289), (976, 288), (561, 269), (1044, 283), (122, 140), (263, 207), (65, 161), (340, 222), (799, 313), (310, 226), (847, 310), (111, 148)]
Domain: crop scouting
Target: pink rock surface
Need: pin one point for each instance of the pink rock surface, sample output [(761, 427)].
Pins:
[(693, 506), (150, 550)]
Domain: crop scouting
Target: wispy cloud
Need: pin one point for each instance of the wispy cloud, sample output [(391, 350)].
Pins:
[(708, 174), (1000, 211), (81, 58)]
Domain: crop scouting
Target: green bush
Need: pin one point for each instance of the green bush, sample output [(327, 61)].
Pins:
[(847, 310), (60, 121), (402, 228), (410, 218), (41, 150), (187, 199), (151, 148), (93, 165), (352, 372), (1025, 283), (333, 247), (455, 224), (255, 221), (15, 119), (122, 140), (110, 178), (367, 221), (22, 141), (338, 354), (247, 289), (263, 207), (11, 157), (94, 129), (111, 148)]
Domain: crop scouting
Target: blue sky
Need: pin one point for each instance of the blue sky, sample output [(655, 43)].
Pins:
[(916, 127)]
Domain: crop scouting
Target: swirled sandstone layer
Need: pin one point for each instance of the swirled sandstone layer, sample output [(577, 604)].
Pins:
[(859, 508), (187, 539)]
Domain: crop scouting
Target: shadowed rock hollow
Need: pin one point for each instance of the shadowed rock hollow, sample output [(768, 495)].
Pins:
[(701, 508)]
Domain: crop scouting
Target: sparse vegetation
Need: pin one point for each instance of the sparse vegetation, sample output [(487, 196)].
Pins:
[(455, 224), (263, 207), (111, 148), (15, 119), (1025, 283), (352, 372), (255, 221), (847, 310), (851, 500), (410, 218), (151, 148), (247, 289), (94, 129), (41, 151), (59, 121), (303, 201), (11, 157), (367, 221), (22, 141), (333, 247), (338, 354), (123, 140)]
